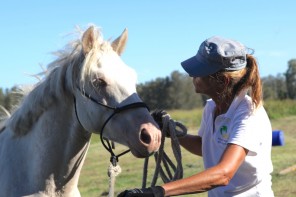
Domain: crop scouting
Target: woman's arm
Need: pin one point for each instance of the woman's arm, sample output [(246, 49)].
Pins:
[(219, 175), (192, 143)]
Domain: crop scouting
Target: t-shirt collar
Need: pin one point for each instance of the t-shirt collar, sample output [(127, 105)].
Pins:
[(235, 103)]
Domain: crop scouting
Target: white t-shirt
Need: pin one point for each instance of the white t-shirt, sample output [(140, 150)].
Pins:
[(251, 130)]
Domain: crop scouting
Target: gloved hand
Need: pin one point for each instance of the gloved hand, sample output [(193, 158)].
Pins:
[(156, 191), (157, 116)]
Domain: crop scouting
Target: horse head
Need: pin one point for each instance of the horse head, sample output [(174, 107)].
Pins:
[(105, 94)]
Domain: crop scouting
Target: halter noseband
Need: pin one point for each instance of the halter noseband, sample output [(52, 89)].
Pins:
[(116, 110)]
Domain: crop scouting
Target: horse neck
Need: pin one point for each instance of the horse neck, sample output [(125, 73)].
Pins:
[(56, 138), (71, 140), (62, 145)]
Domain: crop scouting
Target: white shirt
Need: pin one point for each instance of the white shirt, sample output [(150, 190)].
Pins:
[(251, 130)]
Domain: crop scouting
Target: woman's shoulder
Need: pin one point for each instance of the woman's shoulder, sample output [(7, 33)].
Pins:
[(247, 108)]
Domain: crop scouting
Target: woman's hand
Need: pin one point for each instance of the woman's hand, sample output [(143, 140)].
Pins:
[(156, 191)]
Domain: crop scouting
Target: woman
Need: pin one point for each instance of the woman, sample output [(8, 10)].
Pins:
[(235, 134)]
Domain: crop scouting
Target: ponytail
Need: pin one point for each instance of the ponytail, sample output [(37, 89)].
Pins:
[(253, 81), (245, 79)]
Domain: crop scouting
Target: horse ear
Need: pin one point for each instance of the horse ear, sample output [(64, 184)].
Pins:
[(88, 39), (119, 43)]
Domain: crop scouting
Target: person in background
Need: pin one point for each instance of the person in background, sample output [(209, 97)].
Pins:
[(235, 135)]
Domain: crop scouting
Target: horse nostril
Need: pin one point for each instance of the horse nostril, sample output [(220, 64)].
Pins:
[(145, 137)]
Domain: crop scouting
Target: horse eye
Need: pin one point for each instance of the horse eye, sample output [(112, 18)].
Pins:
[(99, 83)]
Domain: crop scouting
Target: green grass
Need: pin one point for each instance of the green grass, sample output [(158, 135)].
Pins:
[(284, 157), (94, 180)]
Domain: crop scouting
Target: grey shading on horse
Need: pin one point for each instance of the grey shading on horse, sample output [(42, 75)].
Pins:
[(89, 89)]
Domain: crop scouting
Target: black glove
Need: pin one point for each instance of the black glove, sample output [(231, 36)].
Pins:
[(156, 191), (157, 116)]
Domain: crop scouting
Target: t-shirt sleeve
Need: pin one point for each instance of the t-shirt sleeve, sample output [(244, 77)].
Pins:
[(245, 131)]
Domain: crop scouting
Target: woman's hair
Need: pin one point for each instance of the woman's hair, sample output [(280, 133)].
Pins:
[(246, 79)]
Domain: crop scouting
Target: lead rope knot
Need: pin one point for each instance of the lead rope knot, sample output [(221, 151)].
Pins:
[(113, 170)]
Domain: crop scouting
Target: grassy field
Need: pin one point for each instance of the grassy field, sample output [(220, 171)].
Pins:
[(94, 180)]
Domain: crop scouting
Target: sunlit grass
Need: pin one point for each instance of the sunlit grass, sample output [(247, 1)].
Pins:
[(94, 180)]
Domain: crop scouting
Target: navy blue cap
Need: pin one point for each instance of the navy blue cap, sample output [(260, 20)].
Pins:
[(216, 54)]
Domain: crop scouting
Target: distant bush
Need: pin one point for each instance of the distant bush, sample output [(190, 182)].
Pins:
[(280, 108)]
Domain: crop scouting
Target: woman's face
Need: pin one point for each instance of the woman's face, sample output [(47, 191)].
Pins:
[(204, 85)]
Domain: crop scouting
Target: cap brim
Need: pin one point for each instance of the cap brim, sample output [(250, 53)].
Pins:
[(196, 68)]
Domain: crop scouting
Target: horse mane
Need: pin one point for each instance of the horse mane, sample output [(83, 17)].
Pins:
[(58, 82)]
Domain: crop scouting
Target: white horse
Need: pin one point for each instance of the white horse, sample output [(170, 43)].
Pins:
[(89, 90)]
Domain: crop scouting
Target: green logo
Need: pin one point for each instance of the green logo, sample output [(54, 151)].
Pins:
[(223, 132)]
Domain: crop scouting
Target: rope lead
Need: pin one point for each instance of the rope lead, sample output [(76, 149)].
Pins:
[(113, 171), (170, 128), (164, 164)]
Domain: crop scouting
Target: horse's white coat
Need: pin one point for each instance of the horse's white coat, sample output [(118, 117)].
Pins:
[(43, 144)]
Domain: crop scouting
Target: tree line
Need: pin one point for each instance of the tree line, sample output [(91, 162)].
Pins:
[(177, 91), (10, 98)]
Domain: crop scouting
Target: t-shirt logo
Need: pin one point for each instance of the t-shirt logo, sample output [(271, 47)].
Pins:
[(223, 132)]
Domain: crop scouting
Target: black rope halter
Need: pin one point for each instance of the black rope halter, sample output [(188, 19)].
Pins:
[(116, 110)]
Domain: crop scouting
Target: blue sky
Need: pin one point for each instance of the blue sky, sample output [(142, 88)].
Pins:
[(162, 33)]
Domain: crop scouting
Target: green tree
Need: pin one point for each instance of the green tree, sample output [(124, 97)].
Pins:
[(182, 92), (7, 100), (174, 92), (291, 79), (2, 97), (10, 98), (281, 87), (154, 93), (274, 87)]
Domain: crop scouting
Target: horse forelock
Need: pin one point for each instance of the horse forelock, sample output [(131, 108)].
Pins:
[(108, 62), (57, 82), (92, 60)]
